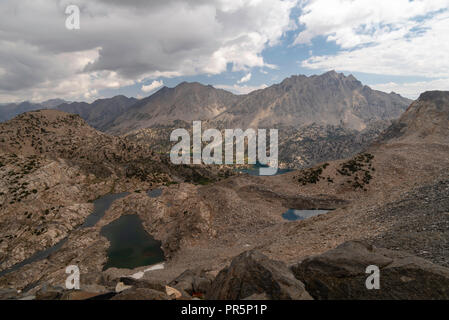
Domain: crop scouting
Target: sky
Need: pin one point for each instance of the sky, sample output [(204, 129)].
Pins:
[(135, 47)]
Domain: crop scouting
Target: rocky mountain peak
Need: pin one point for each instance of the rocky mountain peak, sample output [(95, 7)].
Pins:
[(193, 88), (427, 119), (439, 98), (187, 101), (53, 103), (331, 74), (331, 98)]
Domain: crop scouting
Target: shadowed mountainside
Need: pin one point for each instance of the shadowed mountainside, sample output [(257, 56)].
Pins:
[(100, 113), (10, 110)]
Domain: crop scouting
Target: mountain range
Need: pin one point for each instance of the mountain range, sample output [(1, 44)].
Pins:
[(100, 113), (10, 110), (330, 98), (321, 117)]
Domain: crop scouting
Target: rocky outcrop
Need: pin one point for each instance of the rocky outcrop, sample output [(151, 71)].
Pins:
[(141, 294), (192, 282), (338, 274), (426, 120), (341, 274), (129, 288), (143, 283), (252, 273)]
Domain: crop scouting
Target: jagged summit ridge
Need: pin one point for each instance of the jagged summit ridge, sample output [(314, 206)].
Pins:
[(328, 99)]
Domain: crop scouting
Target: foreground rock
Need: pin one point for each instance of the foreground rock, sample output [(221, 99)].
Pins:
[(252, 274), (141, 294), (340, 274), (143, 283), (192, 283)]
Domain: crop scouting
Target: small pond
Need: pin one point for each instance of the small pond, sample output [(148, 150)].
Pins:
[(130, 245), (101, 205), (253, 170), (295, 215)]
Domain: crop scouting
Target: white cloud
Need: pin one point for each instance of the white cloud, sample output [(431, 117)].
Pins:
[(54, 76), (245, 78), (152, 86), (354, 22), (401, 37), (412, 90), (132, 40), (240, 89)]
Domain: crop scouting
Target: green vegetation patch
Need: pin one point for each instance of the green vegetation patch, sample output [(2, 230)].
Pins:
[(313, 175), (358, 170)]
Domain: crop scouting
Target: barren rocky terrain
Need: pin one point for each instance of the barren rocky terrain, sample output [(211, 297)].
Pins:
[(53, 165), (392, 195)]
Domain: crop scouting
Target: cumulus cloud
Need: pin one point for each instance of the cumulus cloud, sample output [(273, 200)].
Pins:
[(419, 54), (412, 90), (245, 78), (355, 22), (125, 42), (240, 89), (401, 37), (152, 86)]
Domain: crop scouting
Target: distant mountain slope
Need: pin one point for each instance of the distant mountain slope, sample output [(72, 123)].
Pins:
[(10, 110), (100, 113), (309, 145), (328, 99), (187, 102), (320, 118)]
